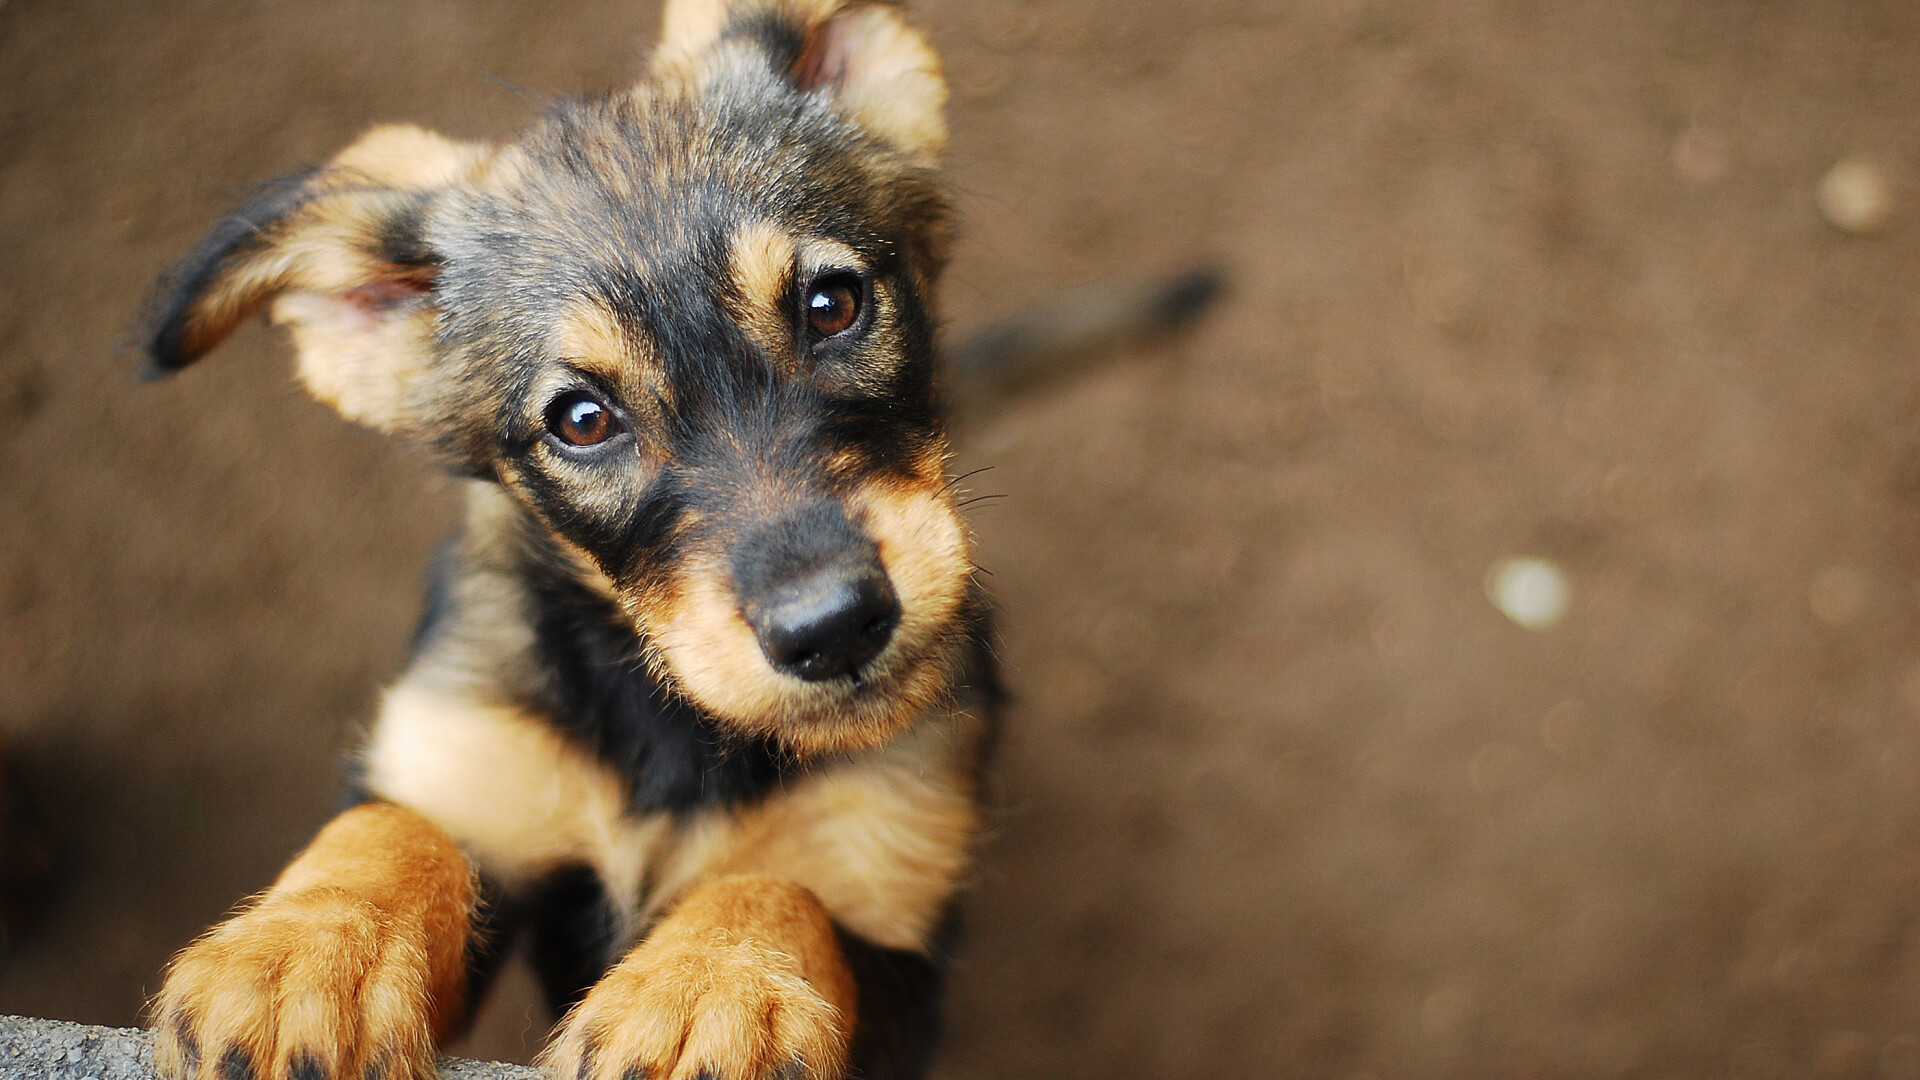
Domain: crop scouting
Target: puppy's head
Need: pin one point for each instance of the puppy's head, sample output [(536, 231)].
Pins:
[(686, 326)]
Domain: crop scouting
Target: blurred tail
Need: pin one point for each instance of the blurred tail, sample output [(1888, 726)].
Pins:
[(1068, 334)]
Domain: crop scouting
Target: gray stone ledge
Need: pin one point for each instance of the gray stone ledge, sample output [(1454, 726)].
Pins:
[(55, 1050)]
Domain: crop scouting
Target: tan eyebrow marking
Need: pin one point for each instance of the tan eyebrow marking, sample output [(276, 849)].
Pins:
[(761, 259), (590, 338), (819, 253)]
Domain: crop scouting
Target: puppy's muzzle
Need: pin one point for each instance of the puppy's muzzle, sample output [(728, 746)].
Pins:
[(813, 589)]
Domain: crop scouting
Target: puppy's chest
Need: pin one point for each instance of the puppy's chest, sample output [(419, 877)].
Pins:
[(880, 838), (523, 797)]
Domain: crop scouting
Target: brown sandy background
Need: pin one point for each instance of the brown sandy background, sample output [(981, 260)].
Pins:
[(1283, 793)]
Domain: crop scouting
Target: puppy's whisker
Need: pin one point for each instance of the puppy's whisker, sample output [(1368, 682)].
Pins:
[(954, 482)]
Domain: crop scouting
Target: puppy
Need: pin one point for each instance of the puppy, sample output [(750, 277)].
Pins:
[(698, 705)]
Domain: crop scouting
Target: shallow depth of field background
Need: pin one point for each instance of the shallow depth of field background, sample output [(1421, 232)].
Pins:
[(1281, 793)]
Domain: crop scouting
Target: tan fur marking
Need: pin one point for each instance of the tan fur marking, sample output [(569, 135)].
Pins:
[(405, 156), (743, 979), (356, 955), (888, 77), (363, 363), (407, 869), (509, 788), (761, 260), (315, 249), (590, 338), (924, 546), (586, 573), (359, 350), (715, 657), (882, 840), (356, 355), (881, 71), (690, 25), (714, 654), (707, 646), (819, 253)]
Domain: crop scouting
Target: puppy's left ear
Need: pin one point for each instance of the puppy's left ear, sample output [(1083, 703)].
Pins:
[(878, 71), (339, 253)]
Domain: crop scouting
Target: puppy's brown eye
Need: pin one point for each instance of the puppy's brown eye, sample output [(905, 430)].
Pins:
[(581, 419), (833, 303)]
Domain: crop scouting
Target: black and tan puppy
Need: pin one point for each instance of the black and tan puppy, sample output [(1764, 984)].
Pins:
[(697, 706)]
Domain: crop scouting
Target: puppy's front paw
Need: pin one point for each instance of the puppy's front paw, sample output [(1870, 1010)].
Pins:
[(313, 985), (717, 1009)]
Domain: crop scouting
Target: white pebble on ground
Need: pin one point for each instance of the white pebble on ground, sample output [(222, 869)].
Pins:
[(1532, 592), (1855, 196)]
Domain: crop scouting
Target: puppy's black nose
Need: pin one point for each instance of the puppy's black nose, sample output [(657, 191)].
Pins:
[(812, 587), (829, 623)]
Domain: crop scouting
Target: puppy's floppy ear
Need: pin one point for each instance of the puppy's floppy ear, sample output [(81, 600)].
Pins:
[(879, 71), (340, 254)]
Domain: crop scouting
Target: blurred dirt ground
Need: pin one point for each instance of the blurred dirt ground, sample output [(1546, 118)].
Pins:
[(1282, 793)]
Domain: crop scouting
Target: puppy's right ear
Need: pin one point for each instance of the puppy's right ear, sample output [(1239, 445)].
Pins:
[(340, 252), (877, 70)]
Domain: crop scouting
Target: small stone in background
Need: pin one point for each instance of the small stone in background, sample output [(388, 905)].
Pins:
[(1532, 592), (1855, 196)]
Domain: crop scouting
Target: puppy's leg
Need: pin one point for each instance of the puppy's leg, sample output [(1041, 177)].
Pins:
[(743, 980), (352, 965)]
